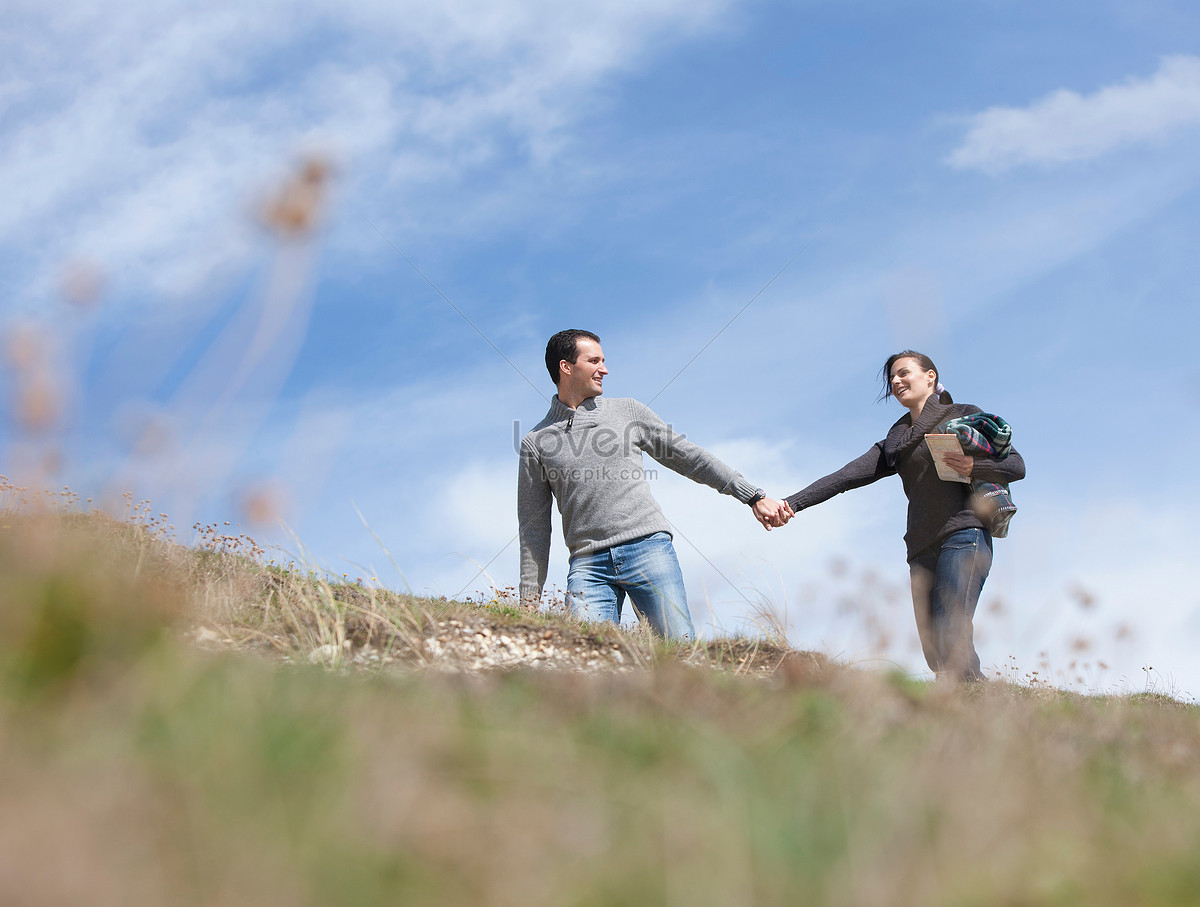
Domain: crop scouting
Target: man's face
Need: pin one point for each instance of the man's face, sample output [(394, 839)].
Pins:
[(584, 378)]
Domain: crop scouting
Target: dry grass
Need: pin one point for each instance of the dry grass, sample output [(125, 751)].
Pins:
[(136, 768), (240, 601)]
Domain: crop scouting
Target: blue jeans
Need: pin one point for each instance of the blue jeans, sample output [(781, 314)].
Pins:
[(947, 578), (647, 570)]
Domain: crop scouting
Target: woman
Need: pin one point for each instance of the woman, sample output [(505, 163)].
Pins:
[(949, 548)]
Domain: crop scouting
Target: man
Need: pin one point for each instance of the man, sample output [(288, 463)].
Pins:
[(587, 453)]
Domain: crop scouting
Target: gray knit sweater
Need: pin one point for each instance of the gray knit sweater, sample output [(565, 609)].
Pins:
[(590, 459)]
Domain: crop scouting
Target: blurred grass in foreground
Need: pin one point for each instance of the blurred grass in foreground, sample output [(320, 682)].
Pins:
[(135, 769)]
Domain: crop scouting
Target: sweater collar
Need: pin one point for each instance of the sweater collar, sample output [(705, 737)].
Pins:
[(933, 412), (559, 411), (906, 435)]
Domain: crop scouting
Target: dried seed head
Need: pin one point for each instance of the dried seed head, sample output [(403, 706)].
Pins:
[(38, 404), (82, 283), (296, 207), (24, 347), (146, 430), (263, 504), (155, 437), (51, 461), (1083, 597)]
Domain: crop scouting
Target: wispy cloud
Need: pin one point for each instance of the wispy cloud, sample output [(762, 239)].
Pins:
[(1066, 126), (133, 136)]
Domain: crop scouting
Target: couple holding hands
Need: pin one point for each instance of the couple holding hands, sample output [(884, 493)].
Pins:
[(586, 454)]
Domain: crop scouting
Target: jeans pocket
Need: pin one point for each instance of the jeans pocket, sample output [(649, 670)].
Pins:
[(963, 540)]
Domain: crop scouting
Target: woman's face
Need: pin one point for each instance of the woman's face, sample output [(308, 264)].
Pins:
[(911, 384)]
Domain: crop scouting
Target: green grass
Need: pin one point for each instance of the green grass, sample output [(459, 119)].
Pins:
[(136, 769)]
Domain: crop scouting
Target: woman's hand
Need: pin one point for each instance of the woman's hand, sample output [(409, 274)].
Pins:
[(772, 513), (963, 464)]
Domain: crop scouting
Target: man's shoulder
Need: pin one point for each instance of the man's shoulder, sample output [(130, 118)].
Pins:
[(628, 410), (611, 407), (629, 405), (605, 408), (529, 437)]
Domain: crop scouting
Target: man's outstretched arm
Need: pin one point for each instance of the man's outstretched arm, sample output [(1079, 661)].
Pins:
[(677, 453)]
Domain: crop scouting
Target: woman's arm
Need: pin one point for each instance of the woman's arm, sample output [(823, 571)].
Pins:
[(870, 467), (1002, 472)]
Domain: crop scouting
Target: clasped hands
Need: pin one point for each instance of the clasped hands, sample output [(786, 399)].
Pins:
[(772, 513)]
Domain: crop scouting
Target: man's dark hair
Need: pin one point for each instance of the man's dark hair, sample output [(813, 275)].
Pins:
[(564, 345)]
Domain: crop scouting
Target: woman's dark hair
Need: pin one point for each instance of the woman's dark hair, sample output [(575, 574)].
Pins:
[(922, 360), (564, 345)]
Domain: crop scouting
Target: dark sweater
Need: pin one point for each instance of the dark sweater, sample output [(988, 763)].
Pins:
[(935, 508)]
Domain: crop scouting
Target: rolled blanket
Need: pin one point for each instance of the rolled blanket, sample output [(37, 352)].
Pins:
[(985, 434)]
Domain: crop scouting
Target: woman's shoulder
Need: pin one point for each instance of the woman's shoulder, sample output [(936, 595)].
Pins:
[(964, 409), (937, 414), (941, 413)]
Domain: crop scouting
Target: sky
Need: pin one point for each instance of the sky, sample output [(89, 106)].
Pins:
[(292, 266)]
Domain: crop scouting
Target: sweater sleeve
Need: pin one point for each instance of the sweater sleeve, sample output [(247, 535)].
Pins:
[(1000, 471), (680, 455), (870, 467), (534, 499)]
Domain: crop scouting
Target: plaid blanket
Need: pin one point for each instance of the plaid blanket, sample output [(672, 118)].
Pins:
[(987, 435)]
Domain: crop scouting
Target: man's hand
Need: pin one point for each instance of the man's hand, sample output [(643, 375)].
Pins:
[(961, 463), (772, 513)]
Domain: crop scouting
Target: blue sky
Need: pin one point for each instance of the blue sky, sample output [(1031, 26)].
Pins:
[(1010, 187)]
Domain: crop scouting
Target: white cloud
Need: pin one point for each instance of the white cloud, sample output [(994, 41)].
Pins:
[(1065, 126)]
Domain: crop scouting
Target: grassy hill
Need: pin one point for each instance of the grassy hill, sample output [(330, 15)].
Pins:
[(194, 726)]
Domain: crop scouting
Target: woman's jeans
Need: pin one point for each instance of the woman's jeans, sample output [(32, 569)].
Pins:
[(947, 578), (647, 570)]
